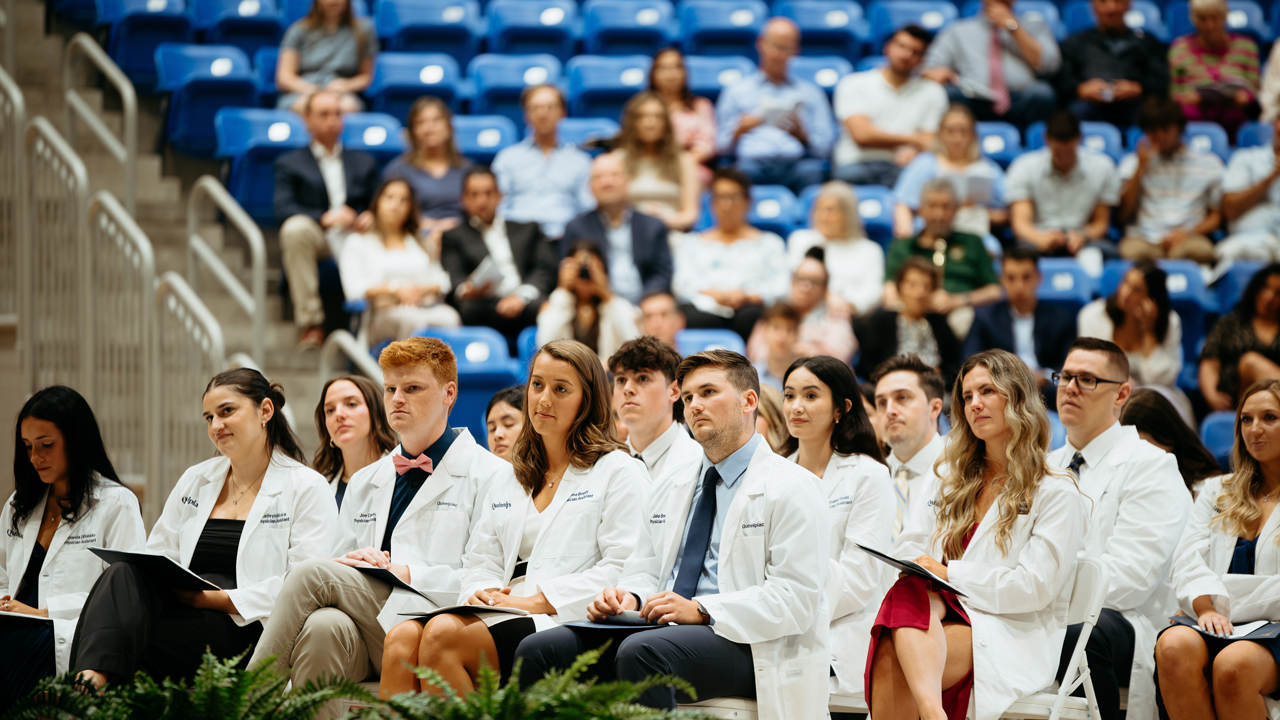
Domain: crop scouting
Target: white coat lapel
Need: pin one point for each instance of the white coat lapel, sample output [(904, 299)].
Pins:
[(59, 538), (753, 482), (272, 485), (678, 509), (984, 527), (572, 478), (384, 483), (206, 498)]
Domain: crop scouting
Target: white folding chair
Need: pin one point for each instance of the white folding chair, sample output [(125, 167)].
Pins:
[(731, 708), (349, 705)]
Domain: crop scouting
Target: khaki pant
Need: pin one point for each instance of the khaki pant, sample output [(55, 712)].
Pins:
[(1195, 247), (302, 245), (325, 622)]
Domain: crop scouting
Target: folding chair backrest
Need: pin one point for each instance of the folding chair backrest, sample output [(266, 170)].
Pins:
[(1089, 592)]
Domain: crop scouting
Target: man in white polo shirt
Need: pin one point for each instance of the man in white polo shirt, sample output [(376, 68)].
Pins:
[(1251, 202), (644, 397)]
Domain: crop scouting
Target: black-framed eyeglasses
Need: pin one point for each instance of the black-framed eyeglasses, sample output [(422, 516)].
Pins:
[(1085, 382)]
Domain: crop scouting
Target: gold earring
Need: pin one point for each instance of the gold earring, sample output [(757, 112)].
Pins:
[(331, 443), (264, 423)]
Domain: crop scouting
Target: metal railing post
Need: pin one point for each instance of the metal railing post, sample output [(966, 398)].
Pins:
[(125, 148), (341, 342), (13, 121)]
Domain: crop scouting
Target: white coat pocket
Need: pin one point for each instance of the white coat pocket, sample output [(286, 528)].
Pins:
[(749, 560)]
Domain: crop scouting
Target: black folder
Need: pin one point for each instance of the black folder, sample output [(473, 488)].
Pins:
[(159, 567), (910, 568)]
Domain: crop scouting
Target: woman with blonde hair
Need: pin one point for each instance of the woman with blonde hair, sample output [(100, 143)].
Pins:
[(770, 422), (664, 178), (1004, 532), (432, 165), (548, 539), (855, 262), (328, 49), (352, 423), (1224, 573)]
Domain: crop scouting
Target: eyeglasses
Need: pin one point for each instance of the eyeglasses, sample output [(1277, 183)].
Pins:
[(1084, 382), (808, 282)]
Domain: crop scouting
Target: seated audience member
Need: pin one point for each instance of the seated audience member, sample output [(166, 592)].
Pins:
[(518, 253), (916, 328), (771, 424), (543, 179), (855, 262), (1171, 193), (780, 127), (1060, 198), (319, 191), (1251, 202), (331, 619), (432, 165), (968, 276), (647, 400), (661, 316), (832, 438), (1107, 70), (352, 423), (1213, 73), (664, 178), (390, 269), (887, 115), (635, 246), (1158, 422), (1137, 512), (329, 49), (693, 118), (774, 342), (567, 448), (503, 419), (992, 62), (726, 274), (742, 610), (931, 649), (1141, 320), (956, 156), (823, 327), (1244, 345), (242, 521), (584, 308), (65, 482), (908, 397), (1223, 575), (1269, 96)]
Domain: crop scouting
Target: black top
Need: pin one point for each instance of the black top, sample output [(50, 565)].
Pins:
[(1243, 556), (1129, 55), (407, 485), (341, 492), (1231, 337), (214, 558), (29, 588)]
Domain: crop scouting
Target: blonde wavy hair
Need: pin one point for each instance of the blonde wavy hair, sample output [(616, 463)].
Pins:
[(963, 464), (1238, 506)]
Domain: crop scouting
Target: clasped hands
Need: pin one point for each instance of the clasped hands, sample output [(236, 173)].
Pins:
[(502, 597), (373, 557), (664, 608)]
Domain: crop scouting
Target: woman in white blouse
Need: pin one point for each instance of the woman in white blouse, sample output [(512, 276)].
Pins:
[(856, 263), (583, 306), (388, 268)]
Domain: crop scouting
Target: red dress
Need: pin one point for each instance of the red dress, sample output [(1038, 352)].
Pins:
[(907, 605)]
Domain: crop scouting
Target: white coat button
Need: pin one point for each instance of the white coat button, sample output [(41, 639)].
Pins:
[(983, 643), (538, 564), (62, 641)]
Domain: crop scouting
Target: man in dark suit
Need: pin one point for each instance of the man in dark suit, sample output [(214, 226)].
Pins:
[(319, 191), (634, 245), (523, 262), (913, 330)]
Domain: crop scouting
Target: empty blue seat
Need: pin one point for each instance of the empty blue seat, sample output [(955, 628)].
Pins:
[(1218, 433), (773, 208), (295, 10), (1000, 141), (824, 72), (527, 345), (1096, 136), (1230, 287), (709, 75), (480, 137), (1028, 10), (886, 16), (1064, 282), (499, 80), (690, 342), (875, 207), (599, 86), (485, 366), (1142, 15), (1208, 137), (201, 80), (1057, 431), (378, 134), (401, 78), (871, 62), (246, 24), (1253, 134), (251, 139), (627, 27), (829, 27), (453, 27), (721, 27), (533, 26), (581, 131), (1243, 16), (264, 67), (137, 29)]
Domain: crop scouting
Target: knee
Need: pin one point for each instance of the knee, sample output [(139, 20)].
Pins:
[(306, 575), (440, 636), (403, 640), (637, 659), (1232, 675), (1180, 650), (295, 230)]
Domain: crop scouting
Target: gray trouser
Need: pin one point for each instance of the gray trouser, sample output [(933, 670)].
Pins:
[(302, 245)]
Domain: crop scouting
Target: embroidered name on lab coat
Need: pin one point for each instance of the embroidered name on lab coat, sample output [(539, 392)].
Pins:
[(366, 517), (446, 503), (188, 500), (658, 519), (748, 526), (503, 505), (840, 501), (88, 538), (275, 518), (12, 533), (581, 495)]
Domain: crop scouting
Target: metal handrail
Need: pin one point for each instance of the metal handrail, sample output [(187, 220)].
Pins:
[(241, 360), (342, 342), (15, 125), (252, 300), (9, 19), (124, 150)]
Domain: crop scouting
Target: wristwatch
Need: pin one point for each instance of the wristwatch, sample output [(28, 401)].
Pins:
[(706, 616), (1011, 25)]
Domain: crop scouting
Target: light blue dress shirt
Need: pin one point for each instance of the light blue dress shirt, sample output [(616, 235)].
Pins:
[(731, 470), (768, 141), (550, 189), (623, 274)]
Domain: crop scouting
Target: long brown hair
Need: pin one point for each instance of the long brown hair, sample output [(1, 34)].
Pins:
[(668, 148), (419, 106), (592, 435), (1238, 506), (686, 95), (314, 19), (328, 458), (412, 221), (1151, 412)]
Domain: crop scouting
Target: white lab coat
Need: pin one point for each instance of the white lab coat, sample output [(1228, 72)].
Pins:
[(588, 531), (680, 449), (773, 563), (1139, 510), (70, 570), (432, 535), (293, 518), (1017, 603)]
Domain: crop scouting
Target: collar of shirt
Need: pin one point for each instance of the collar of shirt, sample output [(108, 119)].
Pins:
[(476, 223), (323, 154), (1098, 448), (761, 79), (732, 468), (436, 452), (1013, 313), (604, 220), (530, 143), (922, 462), (1075, 172), (659, 447)]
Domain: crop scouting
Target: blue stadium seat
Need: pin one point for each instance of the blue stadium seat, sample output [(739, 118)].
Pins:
[(871, 62), (875, 207), (1208, 137), (499, 80), (1230, 287), (627, 27), (480, 137), (378, 134), (580, 131), (1187, 294), (1244, 16), (1034, 10), (137, 27), (721, 27), (1097, 136), (264, 67), (534, 26), (1143, 15), (1253, 134), (709, 75), (246, 24), (886, 16), (295, 10), (1000, 141), (689, 342), (484, 367), (1218, 433), (1057, 431), (401, 78), (824, 72), (773, 208), (201, 79), (599, 85), (453, 27), (81, 13), (251, 139), (1064, 282), (829, 27), (527, 345)]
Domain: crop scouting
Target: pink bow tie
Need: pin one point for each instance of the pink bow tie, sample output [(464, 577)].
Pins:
[(404, 464)]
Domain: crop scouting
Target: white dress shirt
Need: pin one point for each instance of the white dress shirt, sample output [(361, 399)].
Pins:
[(670, 449), (1024, 338), (499, 245), (922, 484), (331, 169)]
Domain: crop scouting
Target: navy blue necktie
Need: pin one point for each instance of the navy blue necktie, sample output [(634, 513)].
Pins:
[(1076, 462), (699, 540)]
